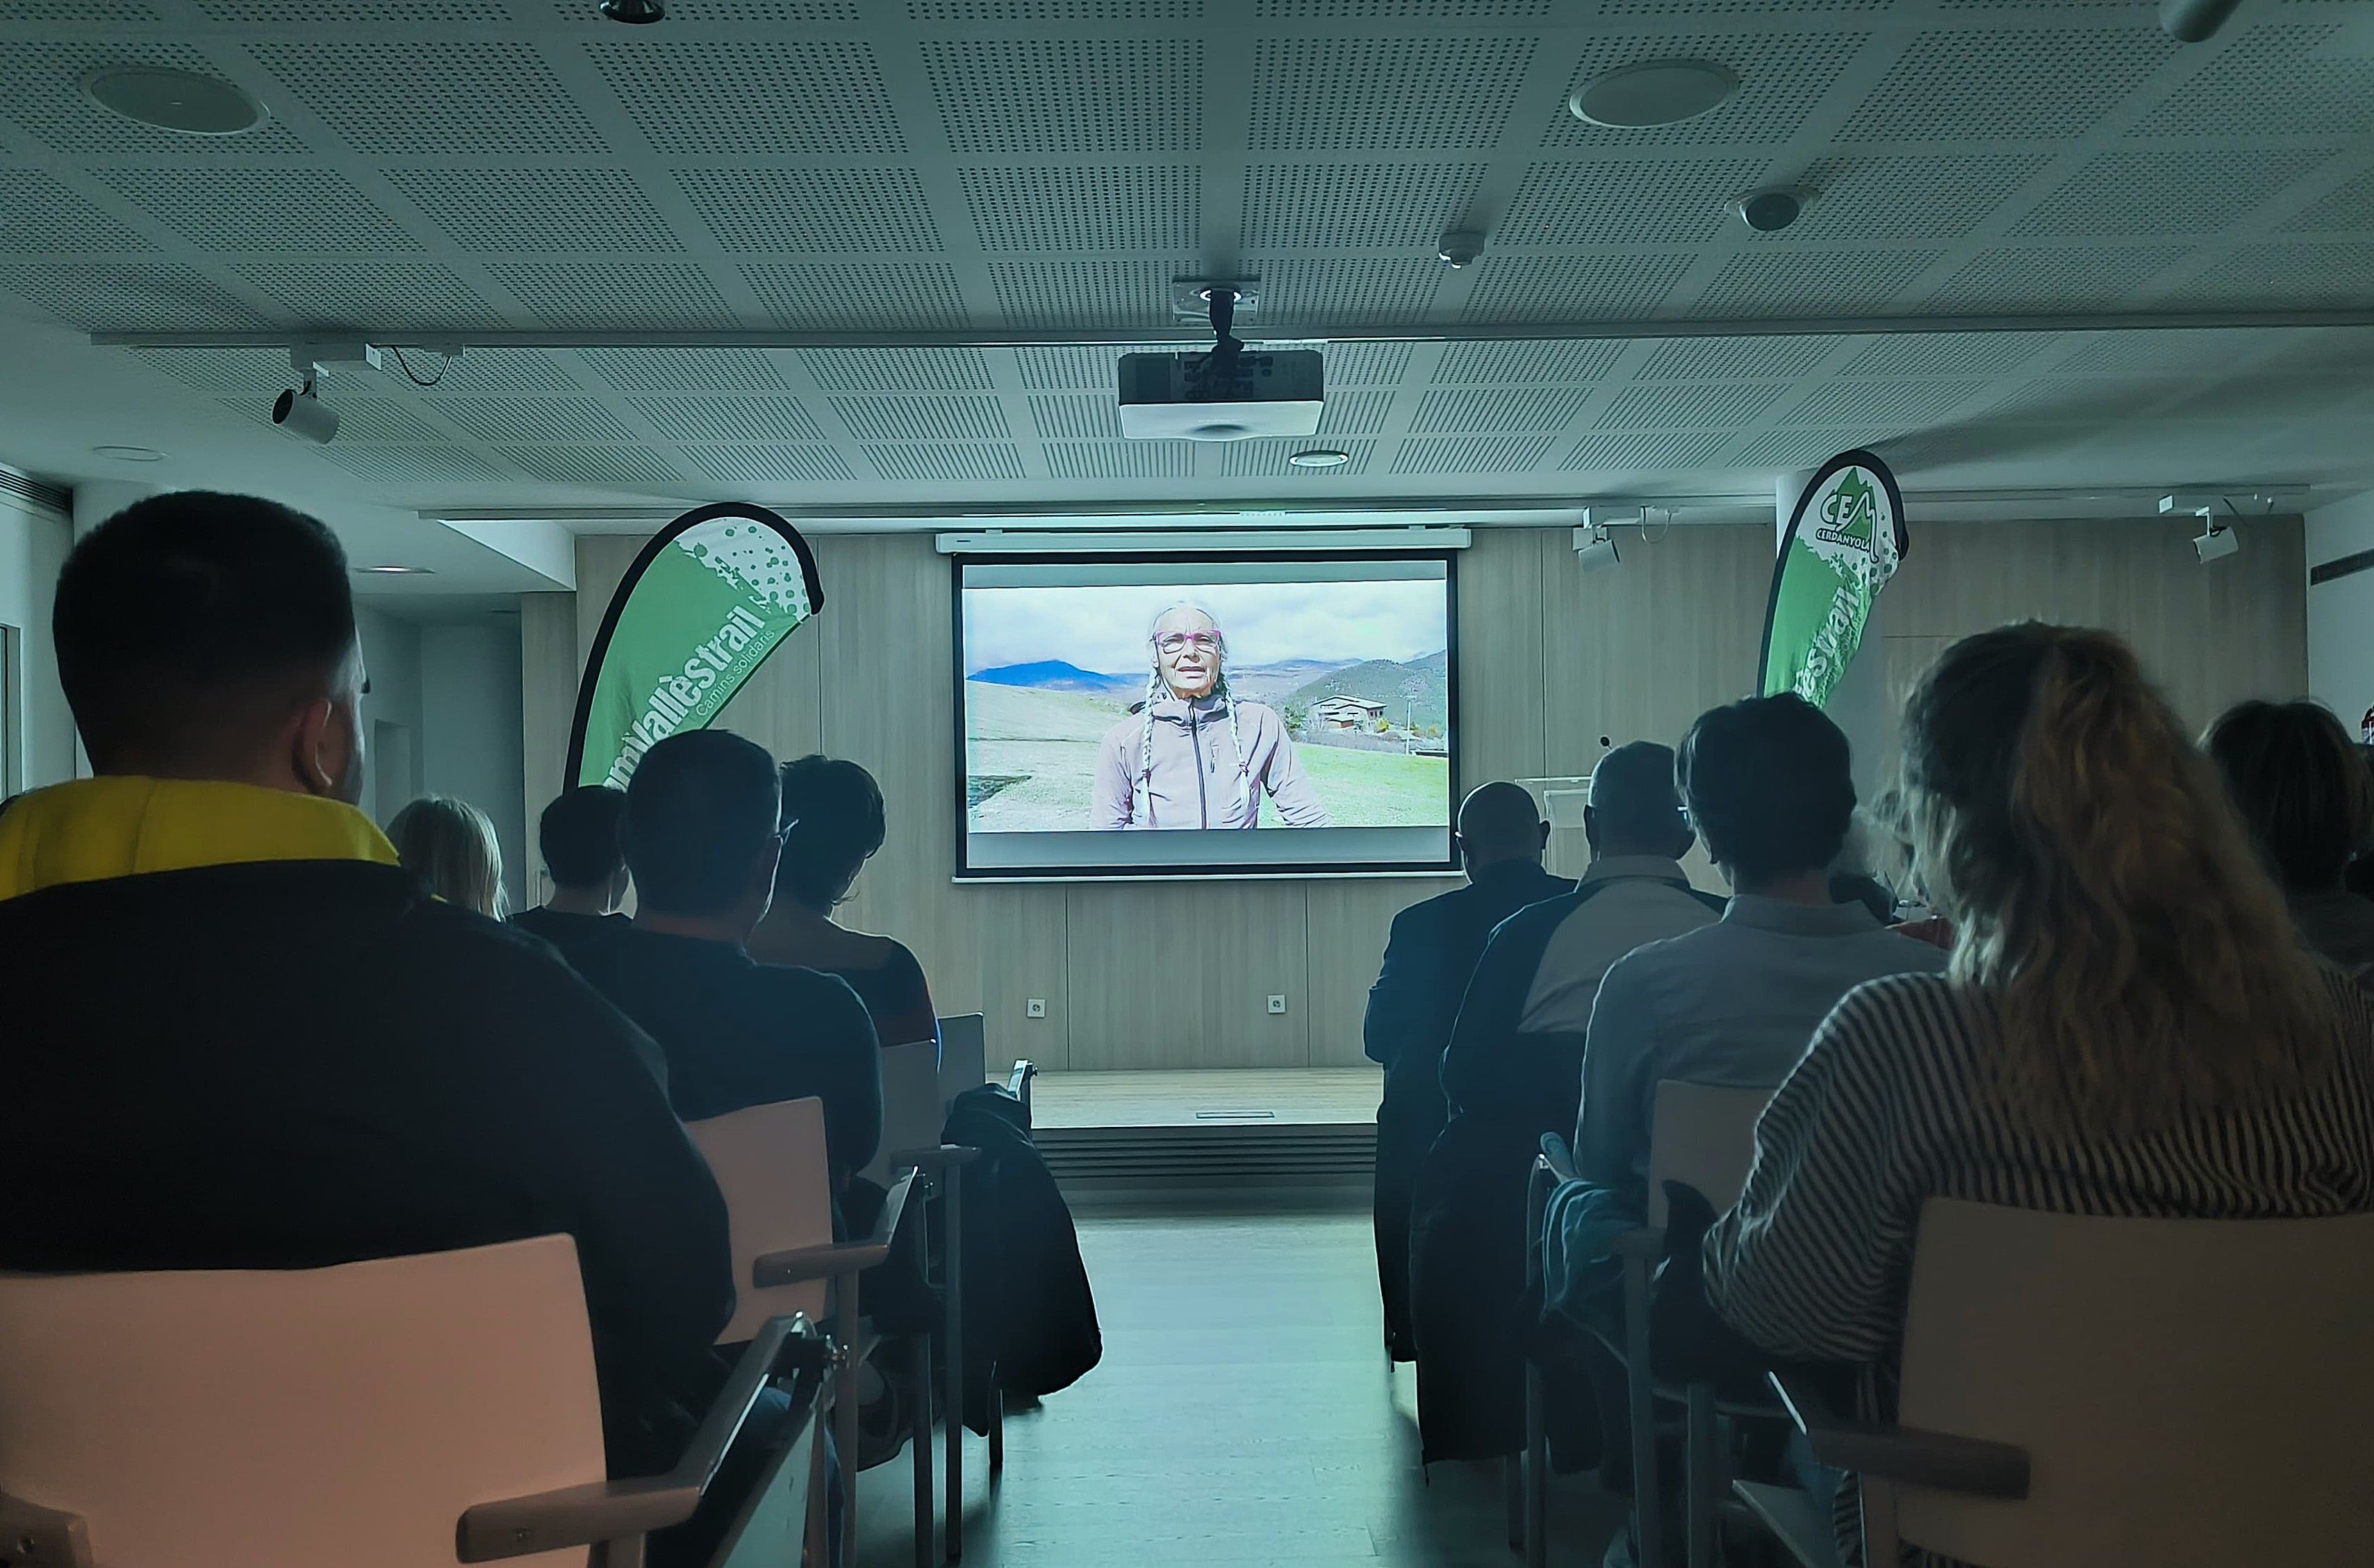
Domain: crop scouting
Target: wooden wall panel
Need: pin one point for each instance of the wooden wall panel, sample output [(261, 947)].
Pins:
[(548, 670), (1024, 954), (1177, 974), (1346, 923), (1500, 663)]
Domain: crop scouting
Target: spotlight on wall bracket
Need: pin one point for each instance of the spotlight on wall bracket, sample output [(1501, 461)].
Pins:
[(2216, 540), (301, 412), (1594, 546)]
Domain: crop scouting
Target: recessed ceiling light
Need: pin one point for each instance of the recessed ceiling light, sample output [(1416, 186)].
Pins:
[(1319, 457), (186, 101), (396, 571), (1655, 92), (128, 454)]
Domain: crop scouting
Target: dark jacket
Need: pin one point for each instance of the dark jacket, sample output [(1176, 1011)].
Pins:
[(1029, 1311), (1431, 950), (738, 1033), (562, 929), (297, 1063)]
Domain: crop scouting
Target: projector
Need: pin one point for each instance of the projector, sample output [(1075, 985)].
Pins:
[(1219, 397)]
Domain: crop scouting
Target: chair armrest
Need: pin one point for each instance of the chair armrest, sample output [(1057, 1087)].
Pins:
[(935, 1160), (1018, 1082), (43, 1537), (599, 1511), (1558, 1158), (830, 1260), (1974, 1466)]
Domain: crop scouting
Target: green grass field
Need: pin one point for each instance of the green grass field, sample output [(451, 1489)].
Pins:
[(1047, 740)]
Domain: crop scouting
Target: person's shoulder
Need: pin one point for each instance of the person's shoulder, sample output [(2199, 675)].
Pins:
[(1900, 1019), (1123, 729), (814, 994)]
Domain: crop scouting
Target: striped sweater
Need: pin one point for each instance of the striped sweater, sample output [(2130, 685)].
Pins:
[(1898, 1100)]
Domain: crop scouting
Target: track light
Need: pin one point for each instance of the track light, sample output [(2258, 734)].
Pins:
[(301, 412)]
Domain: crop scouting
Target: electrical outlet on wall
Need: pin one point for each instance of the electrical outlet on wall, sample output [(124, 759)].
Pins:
[(1276, 1003), (1035, 1008)]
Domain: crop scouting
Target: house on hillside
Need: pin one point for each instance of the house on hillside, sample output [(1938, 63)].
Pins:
[(1340, 713)]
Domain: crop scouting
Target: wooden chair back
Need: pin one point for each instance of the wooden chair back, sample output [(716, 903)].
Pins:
[(293, 1418), (769, 1162), (1703, 1134), (2190, 1392)]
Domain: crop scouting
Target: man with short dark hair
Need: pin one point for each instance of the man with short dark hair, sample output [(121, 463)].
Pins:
[(580, 837), (1429, 953), (241, 1035), (1767, 784), (701, 840)]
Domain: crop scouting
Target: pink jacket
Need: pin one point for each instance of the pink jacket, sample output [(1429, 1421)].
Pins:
[(1195, 781)]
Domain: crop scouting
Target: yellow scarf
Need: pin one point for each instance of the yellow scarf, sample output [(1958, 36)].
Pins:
[(94, 829)]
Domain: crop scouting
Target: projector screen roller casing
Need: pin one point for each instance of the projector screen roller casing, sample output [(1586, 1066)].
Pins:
[(1319, 737)]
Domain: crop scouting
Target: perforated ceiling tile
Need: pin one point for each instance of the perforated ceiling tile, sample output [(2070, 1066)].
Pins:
[(2053, 277), (593, 465), (878, 297), (729, 419), (2007, 84), (684, 370), (921, 418), (1752, 7), (2279, 80), (769, 463), (1268, 460), (1645, 450), (896, 369), (535, 419), (1515, 411), (369, 294), (1366, 364), (1471, 454), (2287, 275), (1121, 460), (1055, 10), (650, 294), (1395, 10), (1014, 97), (1734, 359), (491, 369), (413, 465), (1895, 404), (1948, 354), (40, 89), (1781, 76), (1601, 202), (424, 98), (812, 208), (1811, 282), (1583, 288), (2168, 191), (1312, 206), (1864, 200), (1365, 292), (1445, 92), (1355, 413), (751, 100), (1088, 294), (102, 13), (1716, 405), (2200, 351), (1076, 416), (1088, 368), (539, 208), (945, 463), (1791, 450), (2348, 210), (1108, 207), (261, 209), (691, 14), (340, 13), (367, 421), (221, 369), (1504, 364), (45, 217)]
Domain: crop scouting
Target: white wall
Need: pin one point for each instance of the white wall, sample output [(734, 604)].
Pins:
[(33, 546), (2341, 612), (469, 738), (392, 661)]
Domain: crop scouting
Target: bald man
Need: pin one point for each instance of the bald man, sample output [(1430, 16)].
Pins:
[(1432, 949)]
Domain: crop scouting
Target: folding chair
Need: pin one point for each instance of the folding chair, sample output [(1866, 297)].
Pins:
[(964, 1055), (1702, 1135), (2079, 1391), (403, 1412), (769, 1162)]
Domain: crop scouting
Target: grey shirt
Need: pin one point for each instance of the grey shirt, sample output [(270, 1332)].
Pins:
[(1735, 1002)]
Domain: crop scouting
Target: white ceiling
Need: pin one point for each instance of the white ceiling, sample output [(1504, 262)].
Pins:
[(1020, 167)]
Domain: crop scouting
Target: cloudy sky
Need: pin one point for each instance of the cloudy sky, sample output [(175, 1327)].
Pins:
[(1103, 628)]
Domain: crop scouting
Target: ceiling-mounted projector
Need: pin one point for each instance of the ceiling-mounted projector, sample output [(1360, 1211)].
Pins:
[(1227, 394)]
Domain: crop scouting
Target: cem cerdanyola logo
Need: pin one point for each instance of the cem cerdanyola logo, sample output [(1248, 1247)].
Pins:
[(1848, 513)]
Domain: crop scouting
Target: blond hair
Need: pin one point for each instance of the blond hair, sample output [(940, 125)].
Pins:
[(450, 844), (2106, 898)]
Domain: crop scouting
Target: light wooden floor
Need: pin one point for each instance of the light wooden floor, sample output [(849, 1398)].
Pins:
[(1304, 1096), (1244, 1416)]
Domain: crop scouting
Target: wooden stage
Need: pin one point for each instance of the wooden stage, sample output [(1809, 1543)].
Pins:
[(1154, 1138)]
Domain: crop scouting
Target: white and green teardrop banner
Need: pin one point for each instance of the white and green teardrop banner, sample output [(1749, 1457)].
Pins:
[(1844, 539)]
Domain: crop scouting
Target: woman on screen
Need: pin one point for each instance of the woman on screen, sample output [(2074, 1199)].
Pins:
[(1192, 755)]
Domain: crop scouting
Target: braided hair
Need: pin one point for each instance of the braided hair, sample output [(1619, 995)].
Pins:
[(1156, 688)]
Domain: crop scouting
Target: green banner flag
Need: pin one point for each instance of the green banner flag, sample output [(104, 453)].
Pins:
[(1844, 540), (706, 601)]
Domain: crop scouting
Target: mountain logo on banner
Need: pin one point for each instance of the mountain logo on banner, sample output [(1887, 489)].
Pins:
[(1848, 512), (1843, 541)]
